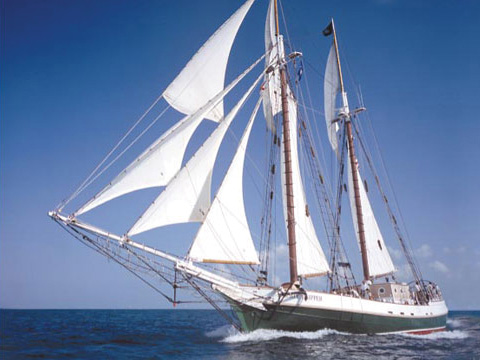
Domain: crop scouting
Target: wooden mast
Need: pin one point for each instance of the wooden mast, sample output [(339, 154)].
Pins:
[(353, 165), (292, 244)]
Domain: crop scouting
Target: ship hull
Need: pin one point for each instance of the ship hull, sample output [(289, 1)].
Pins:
[(345, 314), (305, 319)]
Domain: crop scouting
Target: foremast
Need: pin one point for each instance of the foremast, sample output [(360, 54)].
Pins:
[(345, 115), (292, 244)]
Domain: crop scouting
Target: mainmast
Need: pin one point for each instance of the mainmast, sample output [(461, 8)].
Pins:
[(292, 244), (345, 114)]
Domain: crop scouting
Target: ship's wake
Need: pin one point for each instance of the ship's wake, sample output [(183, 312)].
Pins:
[(228, 334), (268, 335), (449, 334)]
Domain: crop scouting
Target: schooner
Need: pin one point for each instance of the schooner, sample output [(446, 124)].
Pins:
[(224, 250)]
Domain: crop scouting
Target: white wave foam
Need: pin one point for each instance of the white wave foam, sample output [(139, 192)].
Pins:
[(454, 323), (267, 335), (222, 331), (454, 334)]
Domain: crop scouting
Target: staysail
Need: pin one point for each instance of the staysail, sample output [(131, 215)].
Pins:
[(379, 260), (154, 167), (159, 163), (311, 260), (187, 196), (204, 75), (331, 87), (224, 236)]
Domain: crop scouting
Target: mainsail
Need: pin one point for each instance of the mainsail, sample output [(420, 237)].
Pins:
[(203, 77), (379, 260), (224, 236), (187, 196), (311, 260)]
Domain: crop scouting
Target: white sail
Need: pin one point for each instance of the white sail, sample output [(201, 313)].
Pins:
[(224, 236), (379, 260), (187, 197), (204, 75), (311, 260), (157, 165), (154, 167), (331, 87), (272, 102)]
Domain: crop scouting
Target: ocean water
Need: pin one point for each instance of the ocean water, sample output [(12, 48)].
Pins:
[(202, 334)]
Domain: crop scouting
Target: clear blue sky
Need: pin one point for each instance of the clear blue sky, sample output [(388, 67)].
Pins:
[(76, 74)]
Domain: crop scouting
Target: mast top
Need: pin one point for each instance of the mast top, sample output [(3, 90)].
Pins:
[(277, 31), (335, 42)]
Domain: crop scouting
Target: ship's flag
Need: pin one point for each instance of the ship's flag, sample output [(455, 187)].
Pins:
[(328, 30)]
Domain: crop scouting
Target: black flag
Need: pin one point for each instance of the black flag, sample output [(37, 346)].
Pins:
[(328, 30)]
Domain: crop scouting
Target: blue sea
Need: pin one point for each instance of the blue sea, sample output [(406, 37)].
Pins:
[(202, 334)]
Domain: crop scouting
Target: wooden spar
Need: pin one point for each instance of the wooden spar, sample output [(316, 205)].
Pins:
[(358, 202), (353, 165), (277, 31), (342, 88), (292, 243)]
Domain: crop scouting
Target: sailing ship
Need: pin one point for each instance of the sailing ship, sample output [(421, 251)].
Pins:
[(224, 264)]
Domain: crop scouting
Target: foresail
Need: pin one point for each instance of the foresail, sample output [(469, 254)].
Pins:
[(159, 163), (272, 102), (331, 87), (204, 74), (187, 196), (379, 260), (311, 260), (224, 236)]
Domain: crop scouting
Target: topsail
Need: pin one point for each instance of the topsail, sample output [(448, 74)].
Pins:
[(331, 87), (272, 101)]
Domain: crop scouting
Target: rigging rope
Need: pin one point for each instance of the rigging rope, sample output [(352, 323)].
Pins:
[(84, 184), (84, 239), (269, 200), (407, 252), (212, 302)]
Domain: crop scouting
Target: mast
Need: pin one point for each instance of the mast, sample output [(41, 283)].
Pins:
[(345, 113), (292, 244)]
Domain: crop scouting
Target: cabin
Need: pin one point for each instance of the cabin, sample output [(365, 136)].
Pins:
[(391, 292)]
